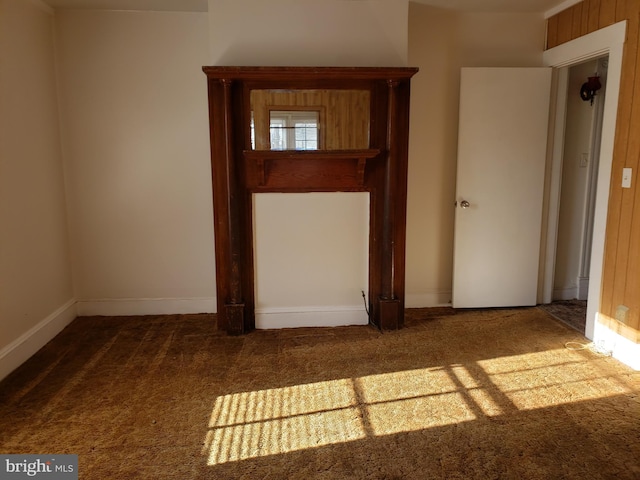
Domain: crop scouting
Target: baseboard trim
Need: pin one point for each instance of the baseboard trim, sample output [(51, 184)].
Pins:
[(310, 316), (582, 291), (146, 306), (565, 293), (621, 348), (22, 348), (440, 298)]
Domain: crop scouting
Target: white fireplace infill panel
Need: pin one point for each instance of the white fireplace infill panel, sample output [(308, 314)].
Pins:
[(311, 259)]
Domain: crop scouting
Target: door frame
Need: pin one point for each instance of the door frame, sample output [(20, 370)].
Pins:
[(606, 41)]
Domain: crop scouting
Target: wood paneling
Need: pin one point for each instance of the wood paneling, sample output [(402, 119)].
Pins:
[(631, 201), (584, 22), (631, 294), (594, 16), (622, 263), (621, 9), (552, 32), (611, 278), (621, 274), (607, 15), (565, 25), (576, 21)]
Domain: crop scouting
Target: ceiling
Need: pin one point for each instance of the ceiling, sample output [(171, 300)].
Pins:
[(160, 5), (505, 6), (498, 6)]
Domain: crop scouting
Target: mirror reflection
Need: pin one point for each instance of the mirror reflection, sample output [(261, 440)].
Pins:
[(323, 119), (294, 129)]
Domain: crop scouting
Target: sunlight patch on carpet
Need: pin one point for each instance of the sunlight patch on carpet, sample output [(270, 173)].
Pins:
[(550, 378), (414, 414), (394, 386), (411, 400), (275, 421), (280, 420)]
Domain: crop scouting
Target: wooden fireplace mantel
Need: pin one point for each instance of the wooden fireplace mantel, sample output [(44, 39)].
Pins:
[(238, 171)]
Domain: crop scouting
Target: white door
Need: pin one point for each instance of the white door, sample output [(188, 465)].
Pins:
[(502, 143)]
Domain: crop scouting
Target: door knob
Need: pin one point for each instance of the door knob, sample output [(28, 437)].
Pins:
[(464, 204)]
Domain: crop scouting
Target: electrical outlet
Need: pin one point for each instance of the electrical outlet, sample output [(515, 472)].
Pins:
[(621, 313)]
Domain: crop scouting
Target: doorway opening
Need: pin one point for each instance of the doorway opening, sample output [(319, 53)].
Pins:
[(606, 41), (580, 161)]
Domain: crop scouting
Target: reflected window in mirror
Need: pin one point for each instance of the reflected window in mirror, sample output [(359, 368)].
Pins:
[(253, 132), (294, 129)]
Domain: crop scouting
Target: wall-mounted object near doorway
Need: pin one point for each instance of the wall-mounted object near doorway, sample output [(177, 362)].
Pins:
[(589, 88)]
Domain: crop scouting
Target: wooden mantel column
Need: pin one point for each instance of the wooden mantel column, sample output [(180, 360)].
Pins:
[(391, 308), (228, 205), (234, 305)]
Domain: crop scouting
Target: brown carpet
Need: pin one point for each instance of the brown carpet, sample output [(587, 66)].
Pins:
[(486, 394)]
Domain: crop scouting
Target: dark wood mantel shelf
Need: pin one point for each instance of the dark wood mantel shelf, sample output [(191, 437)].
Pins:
[(307, 170), (378, 166)]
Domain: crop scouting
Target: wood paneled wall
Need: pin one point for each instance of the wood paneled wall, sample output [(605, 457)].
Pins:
[(621, 275), (344, 121)]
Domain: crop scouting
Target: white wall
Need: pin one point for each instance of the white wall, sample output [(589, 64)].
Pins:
[(309, 32), (136, 146), (36, 295), (573, 196), (501, 39), (440, 43), (135, 131), (136, 142), (434, 47)]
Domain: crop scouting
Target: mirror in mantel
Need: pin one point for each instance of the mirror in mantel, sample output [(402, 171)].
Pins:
[(322, 119)]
